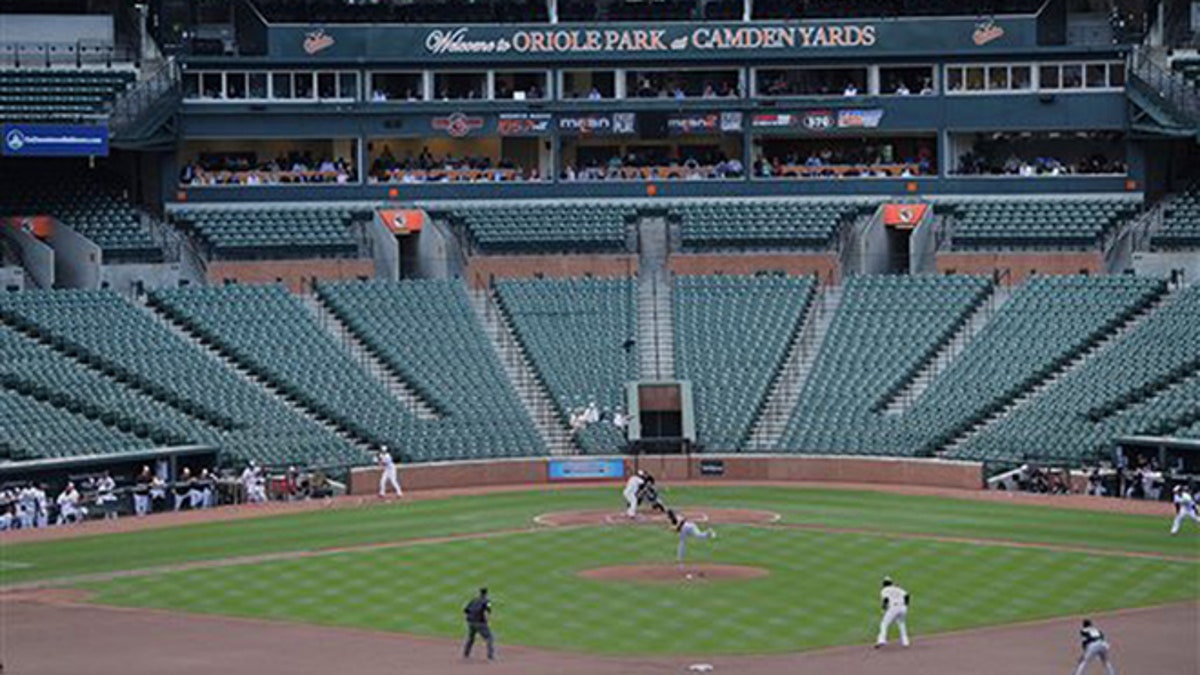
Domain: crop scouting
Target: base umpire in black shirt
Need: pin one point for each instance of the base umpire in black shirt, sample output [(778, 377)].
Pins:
[(477, 612)]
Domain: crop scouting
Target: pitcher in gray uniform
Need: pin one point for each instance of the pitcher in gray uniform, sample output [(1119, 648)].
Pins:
[(1094, 647)]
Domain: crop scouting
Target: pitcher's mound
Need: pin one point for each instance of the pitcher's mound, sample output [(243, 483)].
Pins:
[(672, 573)]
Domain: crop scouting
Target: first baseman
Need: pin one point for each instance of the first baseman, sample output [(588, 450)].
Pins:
[(1094, 647), (1185, 507), (895, 610)]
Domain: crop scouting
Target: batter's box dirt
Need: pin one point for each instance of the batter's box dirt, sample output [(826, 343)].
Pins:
[(672, 573), (697, 514)]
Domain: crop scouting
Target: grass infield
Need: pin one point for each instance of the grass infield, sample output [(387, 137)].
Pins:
[(822, 589)]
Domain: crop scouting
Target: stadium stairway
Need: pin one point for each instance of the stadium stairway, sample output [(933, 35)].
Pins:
[(772, 420), (1031, 395), (530, 390), (903, 399), (656, 333), (396, 385), (245, 374)]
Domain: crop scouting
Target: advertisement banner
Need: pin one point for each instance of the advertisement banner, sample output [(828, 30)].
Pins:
[(524, 124), (586, 469), (598, 124), (859, 119), (704, 124), (712, 467), (820, 120), (55, 140)]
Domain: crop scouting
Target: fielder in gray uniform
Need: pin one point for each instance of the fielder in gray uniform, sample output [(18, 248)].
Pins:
[(1094, 647)]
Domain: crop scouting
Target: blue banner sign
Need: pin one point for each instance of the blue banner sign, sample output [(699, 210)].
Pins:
[(55, 140), (586, 469)]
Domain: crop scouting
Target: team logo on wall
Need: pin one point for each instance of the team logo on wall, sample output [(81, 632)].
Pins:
[(317, 41), (985, 32), (457, 125)]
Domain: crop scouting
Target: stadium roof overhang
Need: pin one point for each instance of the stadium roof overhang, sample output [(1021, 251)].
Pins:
[(91, 461)]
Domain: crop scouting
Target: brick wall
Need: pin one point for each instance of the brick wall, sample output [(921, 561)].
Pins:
[(481, 268), (295, 274), (824, 265), (1020, 265)]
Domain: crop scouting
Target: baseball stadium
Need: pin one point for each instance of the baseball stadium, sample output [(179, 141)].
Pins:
[(599, 336)]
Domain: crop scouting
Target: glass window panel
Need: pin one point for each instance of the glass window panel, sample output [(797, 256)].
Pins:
[(975, 78), (235, 85), (191, 85), (1021, 77), (1116, 74), (998, 78), (954, 79), (302, 84), (1072, 76), (1096, 78), (281, 85), (210, 85), (1048, 77), (258, 85), (348, 85)]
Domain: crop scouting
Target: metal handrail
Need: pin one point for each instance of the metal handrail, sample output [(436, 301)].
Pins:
[(1181, 97), (145, 93)]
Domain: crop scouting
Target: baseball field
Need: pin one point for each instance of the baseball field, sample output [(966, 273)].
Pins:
[(792, 570)]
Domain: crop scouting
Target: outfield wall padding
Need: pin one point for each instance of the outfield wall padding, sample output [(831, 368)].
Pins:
[(809, 469)]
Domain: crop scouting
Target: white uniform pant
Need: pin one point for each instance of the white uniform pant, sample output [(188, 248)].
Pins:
[(196, 499), (1179, 517), (891, 615), (689, 529), (389, 478), (26, 514), (180, 499), (1096, 650), (141, 504), (632, 500), (68, 513)]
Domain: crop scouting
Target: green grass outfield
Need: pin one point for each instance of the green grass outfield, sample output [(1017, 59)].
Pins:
[(822, 589)]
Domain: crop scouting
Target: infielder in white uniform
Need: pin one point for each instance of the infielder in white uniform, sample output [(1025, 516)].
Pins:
[(388, 476), (632, 487), (895, 610), (687, 528), (1094, 647), (1185, 507)]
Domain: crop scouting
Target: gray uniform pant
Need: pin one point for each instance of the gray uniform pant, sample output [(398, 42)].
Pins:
[(1096, 650), (483, 631)]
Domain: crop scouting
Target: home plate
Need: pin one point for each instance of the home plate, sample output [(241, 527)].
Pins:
[(701, 667)]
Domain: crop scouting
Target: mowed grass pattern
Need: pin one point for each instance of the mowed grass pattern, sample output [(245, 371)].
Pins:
[(464, 515), (822, 590)]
